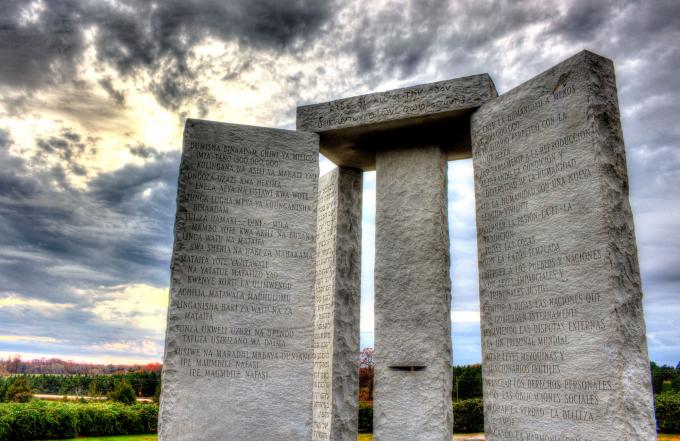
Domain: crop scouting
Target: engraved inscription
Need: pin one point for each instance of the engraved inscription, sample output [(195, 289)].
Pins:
[(375, 108), (324, 300), (231, 277), (543, 265), (240, 319)]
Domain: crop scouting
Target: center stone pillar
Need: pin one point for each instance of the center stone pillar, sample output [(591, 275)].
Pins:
[(407, 135), (412, 297)]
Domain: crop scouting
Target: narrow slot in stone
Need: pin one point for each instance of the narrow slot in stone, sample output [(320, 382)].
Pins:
[(408, 368)]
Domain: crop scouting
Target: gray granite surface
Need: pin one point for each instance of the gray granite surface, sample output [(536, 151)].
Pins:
[(238, 352), (563, 335), (412, 395), (354, 129), (337, 299)]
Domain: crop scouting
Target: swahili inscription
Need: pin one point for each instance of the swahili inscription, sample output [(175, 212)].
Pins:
[(324, 292), (239, 333), (548, 336)]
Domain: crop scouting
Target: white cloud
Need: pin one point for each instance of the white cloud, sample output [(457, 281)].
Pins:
[(138, 306), (144, 347), (28, 339), (465, 316), (19, 303)]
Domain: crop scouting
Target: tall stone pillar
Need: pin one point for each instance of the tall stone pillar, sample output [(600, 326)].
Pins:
[(336, 302), (238, 358), (412, 297), (563, 333)]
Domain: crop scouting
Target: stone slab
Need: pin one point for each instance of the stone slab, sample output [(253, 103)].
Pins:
[(412, 391), (353, 129), (563, 335), (337, 300), (238, 349)]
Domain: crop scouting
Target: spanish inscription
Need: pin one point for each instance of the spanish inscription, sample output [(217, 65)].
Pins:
[(238, 360), (545, 264)]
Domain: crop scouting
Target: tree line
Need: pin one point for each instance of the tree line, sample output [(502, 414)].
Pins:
[(145, 380), (143, 384), (15, 365)]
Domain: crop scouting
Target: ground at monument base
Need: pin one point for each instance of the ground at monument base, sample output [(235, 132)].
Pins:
[(456, 437), (362, 437), (152, 437)]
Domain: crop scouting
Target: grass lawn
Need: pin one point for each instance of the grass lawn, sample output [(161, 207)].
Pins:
[(362, 437)]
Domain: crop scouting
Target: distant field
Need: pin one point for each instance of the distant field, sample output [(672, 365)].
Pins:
[(362, 437)]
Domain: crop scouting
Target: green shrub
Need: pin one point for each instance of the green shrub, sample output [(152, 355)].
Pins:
[(667, 407), (365, 418), (143, 383), (55, 420), (37, 420), (4, 384), (467, 382), (468, 416), (675, 383), (123, 393), (19, 391)]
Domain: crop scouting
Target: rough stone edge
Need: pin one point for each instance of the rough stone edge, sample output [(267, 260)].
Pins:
[(345, 375), (631, 357), (328, 180), (609, 149), (447, 390), (168, 391)]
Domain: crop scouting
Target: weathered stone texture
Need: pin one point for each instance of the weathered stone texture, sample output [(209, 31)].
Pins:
[(337, 294), (353, 129), (412, 297), (238, 350), (563, 335), (399, 104)]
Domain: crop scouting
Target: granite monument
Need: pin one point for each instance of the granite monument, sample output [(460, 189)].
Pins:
[(263, 323), (238, 359)]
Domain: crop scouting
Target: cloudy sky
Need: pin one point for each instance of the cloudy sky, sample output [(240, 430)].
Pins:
[(93, 96)]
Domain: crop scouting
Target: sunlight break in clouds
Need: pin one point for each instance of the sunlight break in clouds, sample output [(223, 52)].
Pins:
[(138, 306)]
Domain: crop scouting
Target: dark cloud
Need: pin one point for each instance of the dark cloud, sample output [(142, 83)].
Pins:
[(143, 151), (69, 149), (66, 147), (395, 41), (584, 19), (58, 238), (116, 95), (398, 41), (132, 34), (58, 243), (43, 51), (176, 86)]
